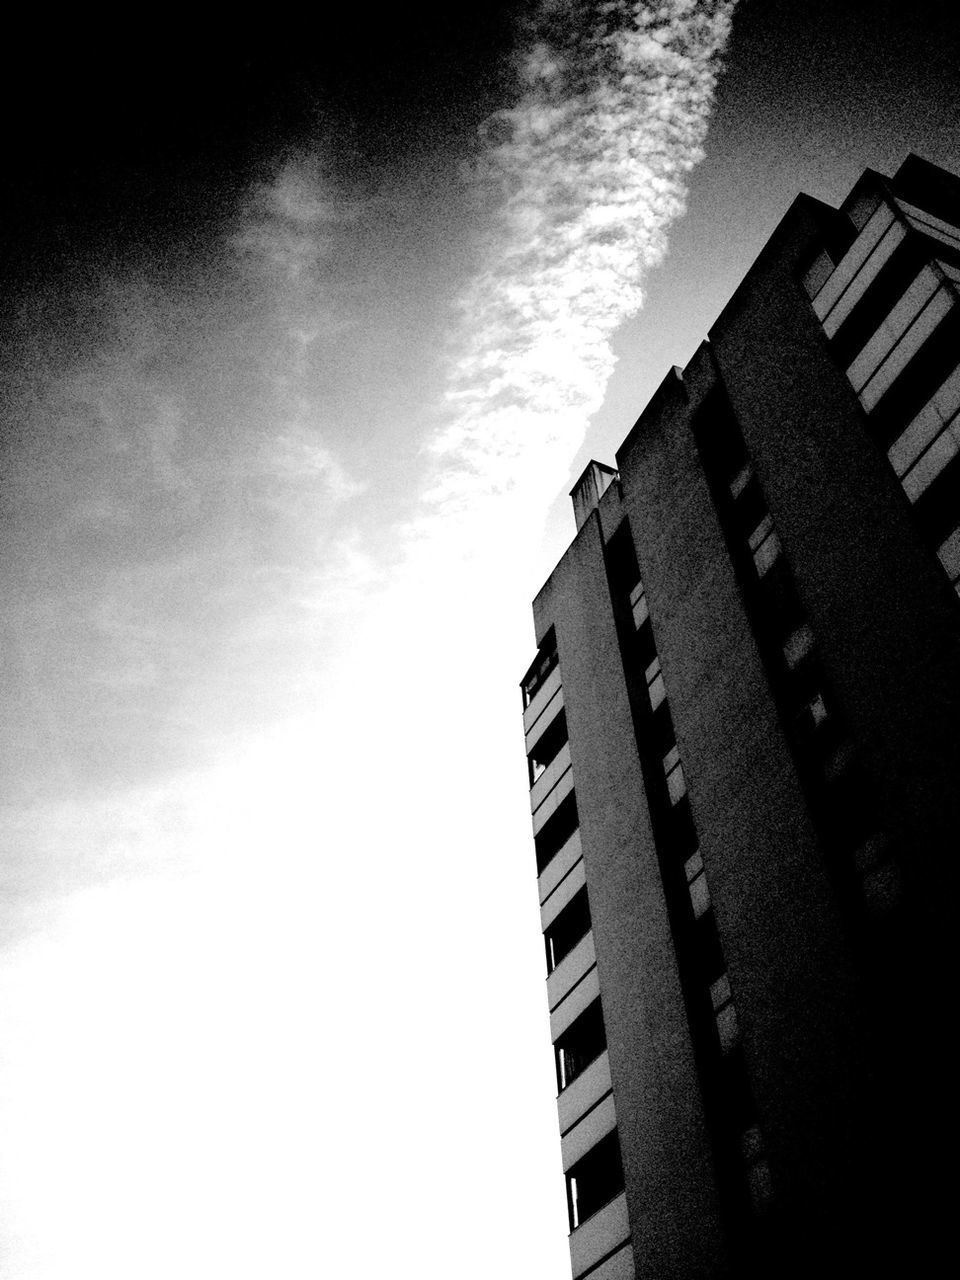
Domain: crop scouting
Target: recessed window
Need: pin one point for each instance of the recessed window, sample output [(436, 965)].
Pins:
[(741, 480), (582, 1043), (556, 831), (594, 1180), (638, 606), (548, 746), (540, 669), (949, 553), (938, 414), (797, 645), (724, 1013), (764, 545), (881, 889), (673, 770), (839, 761), (812, 715), (567, 928), (818, 274), (817, 709), (935, 458), (757, 1167), (656, 689), (697, 885)]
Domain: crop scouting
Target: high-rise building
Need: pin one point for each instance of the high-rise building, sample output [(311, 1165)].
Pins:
[(743, 734)]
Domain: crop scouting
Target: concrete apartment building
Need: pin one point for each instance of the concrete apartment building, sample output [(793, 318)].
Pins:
[(743, 736)]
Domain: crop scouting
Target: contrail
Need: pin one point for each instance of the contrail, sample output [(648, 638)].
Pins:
[(589, 170)]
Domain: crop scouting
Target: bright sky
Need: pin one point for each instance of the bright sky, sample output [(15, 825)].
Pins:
[(302, 348)]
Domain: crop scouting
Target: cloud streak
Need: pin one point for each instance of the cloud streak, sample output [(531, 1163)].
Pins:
[(585, 174)]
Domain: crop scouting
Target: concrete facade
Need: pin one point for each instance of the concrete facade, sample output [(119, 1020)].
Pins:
[(754, 639)]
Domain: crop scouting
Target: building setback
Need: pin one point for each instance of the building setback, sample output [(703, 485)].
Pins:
[(743, 737)]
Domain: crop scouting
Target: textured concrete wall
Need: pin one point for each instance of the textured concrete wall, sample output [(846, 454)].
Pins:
[(887, 626), (788, 961), (886, 620)]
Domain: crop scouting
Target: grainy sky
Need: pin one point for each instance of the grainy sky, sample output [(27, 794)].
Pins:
[(304, 332)]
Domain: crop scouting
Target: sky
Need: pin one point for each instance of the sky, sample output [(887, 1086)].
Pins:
[(306, 335)]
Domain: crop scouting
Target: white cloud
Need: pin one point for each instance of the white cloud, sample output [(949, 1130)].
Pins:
[(586, 172), (297, 453), (288, 225)]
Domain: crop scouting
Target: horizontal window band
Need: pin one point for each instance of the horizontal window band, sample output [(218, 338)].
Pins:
[(853, 261), (547, 794), (879, 298), (930, 367), (910, 342)]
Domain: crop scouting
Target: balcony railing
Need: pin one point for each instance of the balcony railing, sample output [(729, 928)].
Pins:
[(542, 665), (599, 1235), (583, 1091)]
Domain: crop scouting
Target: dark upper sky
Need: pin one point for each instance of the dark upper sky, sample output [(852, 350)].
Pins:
[(131, 132), (123, 130)]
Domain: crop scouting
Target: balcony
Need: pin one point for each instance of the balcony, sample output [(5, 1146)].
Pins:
[(540, 668), (574, 1004), (583, 1092), (620, 1266), (550, 909), (586, 1133), (552, 802), (554, 771), (570, 970), (559, 865), (538, 702), (600, 1235)]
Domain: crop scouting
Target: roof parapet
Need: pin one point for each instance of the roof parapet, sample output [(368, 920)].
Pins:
[(590, 488)]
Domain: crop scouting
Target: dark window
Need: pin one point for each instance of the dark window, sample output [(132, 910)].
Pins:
[(678, 834), (540, 668), (697, 885), (938, 504), (639, 609), (582, 1042), (782, 611), (556, 831), (621, 557), (724, 1012), (663, 736), (656, 690), (749, 508), (570, 925), (718, 436), (594, 1180), (548, 746), (764, 545), (706, 954)]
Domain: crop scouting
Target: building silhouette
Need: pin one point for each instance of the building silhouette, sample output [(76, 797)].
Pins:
[(743, 737)]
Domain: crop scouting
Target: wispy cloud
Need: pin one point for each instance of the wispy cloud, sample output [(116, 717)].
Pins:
[(174, 488), (583, 177), (289, 222)]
